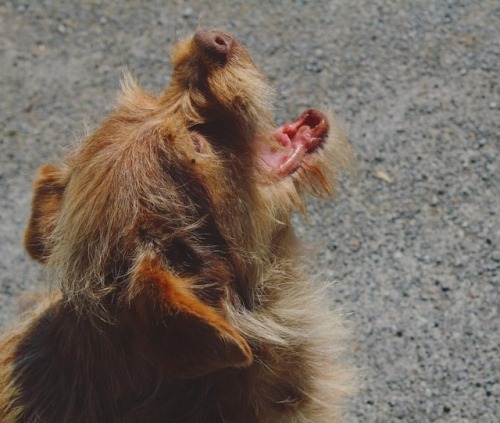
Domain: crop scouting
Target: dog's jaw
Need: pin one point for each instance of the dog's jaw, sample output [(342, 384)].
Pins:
[(295, 140)]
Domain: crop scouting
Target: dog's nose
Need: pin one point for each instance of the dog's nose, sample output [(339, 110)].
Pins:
[(216, 44)]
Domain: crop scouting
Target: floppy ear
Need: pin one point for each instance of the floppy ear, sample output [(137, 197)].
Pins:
[(181, 333), (48, 189)]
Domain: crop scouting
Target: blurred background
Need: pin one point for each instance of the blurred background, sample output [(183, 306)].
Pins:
[(412, 241)]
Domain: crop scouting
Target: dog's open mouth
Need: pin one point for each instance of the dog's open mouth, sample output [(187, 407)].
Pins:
[(295, 141)]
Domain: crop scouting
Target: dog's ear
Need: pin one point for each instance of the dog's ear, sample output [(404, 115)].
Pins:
[(178, 331), (48, 189)]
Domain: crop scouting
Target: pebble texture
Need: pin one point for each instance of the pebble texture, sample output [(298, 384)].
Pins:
[(413, 242)]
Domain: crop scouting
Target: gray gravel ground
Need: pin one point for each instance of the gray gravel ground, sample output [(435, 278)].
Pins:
[(414, 243)]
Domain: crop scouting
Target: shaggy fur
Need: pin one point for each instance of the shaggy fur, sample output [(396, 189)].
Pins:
[(182, 296)]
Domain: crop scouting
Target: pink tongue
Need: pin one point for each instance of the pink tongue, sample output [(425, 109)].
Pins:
[(303, 136), (283, 139), (294, 141), (292, 161), (286, 160)]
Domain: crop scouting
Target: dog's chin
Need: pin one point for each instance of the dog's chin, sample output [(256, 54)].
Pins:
[(294, 144)]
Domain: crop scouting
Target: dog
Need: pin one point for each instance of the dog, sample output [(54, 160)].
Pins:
[(183, 292)]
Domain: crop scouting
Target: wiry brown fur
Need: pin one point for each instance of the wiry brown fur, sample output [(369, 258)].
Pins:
[(182, 294)]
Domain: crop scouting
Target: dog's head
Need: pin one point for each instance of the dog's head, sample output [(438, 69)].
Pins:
[(169, 208)]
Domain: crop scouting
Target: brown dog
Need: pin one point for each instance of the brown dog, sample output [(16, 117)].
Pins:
[(182, 294)]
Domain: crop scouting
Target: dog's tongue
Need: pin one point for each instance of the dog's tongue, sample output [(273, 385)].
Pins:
[(296, 140)]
